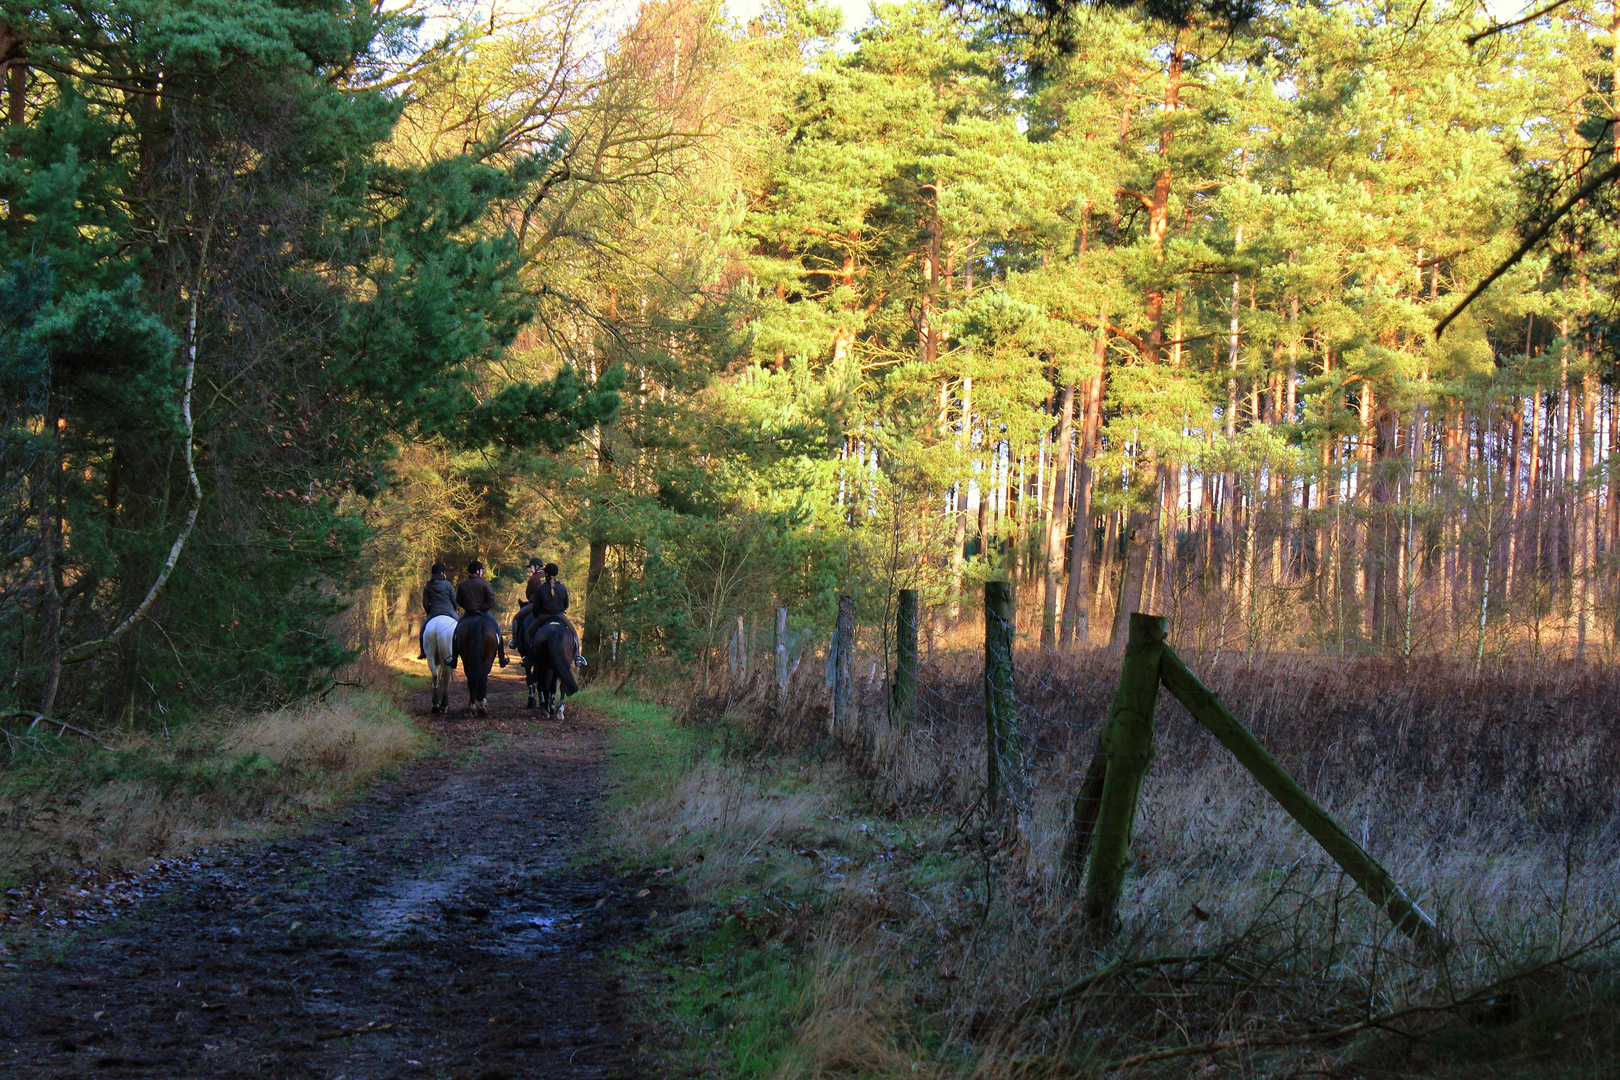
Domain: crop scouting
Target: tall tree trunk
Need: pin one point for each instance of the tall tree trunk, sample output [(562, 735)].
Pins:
[(1077, 603), (1585, 583), (959, 548), (1057, 517), (1143, 525), (595, 603)]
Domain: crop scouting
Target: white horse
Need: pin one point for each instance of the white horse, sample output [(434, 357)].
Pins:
[(438, 639)]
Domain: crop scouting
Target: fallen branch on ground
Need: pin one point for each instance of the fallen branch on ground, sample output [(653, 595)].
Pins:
[(1479, 997), (62, 726)]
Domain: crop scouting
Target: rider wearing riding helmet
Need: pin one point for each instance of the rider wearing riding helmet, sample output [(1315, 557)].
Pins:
[(438, 598), (531, 592), (550, 601), (475, 596)]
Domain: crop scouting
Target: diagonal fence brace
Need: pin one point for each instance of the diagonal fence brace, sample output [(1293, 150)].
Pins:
[(1105, 811), (1380, 887)]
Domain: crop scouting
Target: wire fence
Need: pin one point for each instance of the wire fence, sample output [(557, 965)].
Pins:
[(1521, 746)]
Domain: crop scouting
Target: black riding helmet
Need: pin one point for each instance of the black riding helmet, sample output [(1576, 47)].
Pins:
[(551, 569)]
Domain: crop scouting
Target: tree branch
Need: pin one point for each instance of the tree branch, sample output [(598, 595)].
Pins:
[(1499, 28), (89, 650), (1530, 241)]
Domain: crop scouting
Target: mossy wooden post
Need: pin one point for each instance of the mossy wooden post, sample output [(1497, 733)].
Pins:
[(905, 669), (844, 666), (1083, 823), (1127, 748), (1000, 720), (1363, 869)]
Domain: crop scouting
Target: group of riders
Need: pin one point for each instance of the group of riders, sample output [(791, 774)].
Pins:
[(545, 601)]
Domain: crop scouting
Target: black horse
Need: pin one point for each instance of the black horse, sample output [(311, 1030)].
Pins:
[(548, 659), (477, 642)]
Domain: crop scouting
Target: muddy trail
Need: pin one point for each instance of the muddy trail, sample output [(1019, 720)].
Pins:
[(433, 929)]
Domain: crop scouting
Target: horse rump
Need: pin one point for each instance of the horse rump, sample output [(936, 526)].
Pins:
[(549, 661), (476, 645)]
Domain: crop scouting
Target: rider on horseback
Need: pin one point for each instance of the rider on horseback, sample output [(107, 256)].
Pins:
[(548, 600), (475, 596), (520, 621), (438, 598)]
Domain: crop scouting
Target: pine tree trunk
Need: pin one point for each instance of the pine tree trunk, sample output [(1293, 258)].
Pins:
[(1077, 605), (1056, 517)]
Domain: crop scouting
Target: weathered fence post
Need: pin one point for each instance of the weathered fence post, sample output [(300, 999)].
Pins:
[(1083, 823), (1126, 750), (843, 711), (779, 649), (1000, 719), (1374, 880), (904, 701)]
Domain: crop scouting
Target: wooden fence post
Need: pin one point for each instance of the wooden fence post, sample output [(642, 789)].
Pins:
[(1374, 880), (1000, 718), (905, 670), (1083, 823), (1126, 749), (779, 649), (844, 665)]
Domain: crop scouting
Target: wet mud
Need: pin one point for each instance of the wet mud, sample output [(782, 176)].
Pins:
[(441, 927)]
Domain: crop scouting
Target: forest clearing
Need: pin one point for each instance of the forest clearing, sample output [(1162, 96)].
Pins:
[(1087, 533)]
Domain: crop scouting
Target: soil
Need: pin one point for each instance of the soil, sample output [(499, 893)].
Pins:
[(441, 927)]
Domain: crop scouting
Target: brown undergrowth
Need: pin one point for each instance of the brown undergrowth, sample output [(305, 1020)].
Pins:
[(945, 948), (76, 812)]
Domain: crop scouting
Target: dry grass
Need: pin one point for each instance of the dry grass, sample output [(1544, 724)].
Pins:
[(71, 808), (936, 948)]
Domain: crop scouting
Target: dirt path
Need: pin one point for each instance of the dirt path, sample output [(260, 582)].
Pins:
[(435, 930)]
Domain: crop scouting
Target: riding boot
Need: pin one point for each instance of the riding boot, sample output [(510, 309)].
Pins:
[(500, 642)]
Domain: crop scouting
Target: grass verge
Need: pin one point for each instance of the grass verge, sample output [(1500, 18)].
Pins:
[(765, 858), (819, 925), (76, 811)]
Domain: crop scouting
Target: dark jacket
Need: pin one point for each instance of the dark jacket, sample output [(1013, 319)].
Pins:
[(551, 598), (474, 594), (531, 591), (439, 598)]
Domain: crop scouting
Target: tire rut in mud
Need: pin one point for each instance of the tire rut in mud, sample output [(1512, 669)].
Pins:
[(437, 930)]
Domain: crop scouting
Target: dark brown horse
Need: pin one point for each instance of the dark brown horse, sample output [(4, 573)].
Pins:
[(477, 642), (548, 660)]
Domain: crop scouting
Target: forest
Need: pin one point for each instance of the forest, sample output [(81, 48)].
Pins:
[(1294, 324), (727, 316)]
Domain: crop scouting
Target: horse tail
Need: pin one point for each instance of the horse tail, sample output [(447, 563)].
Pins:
[(470, 634), (561, 647)]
